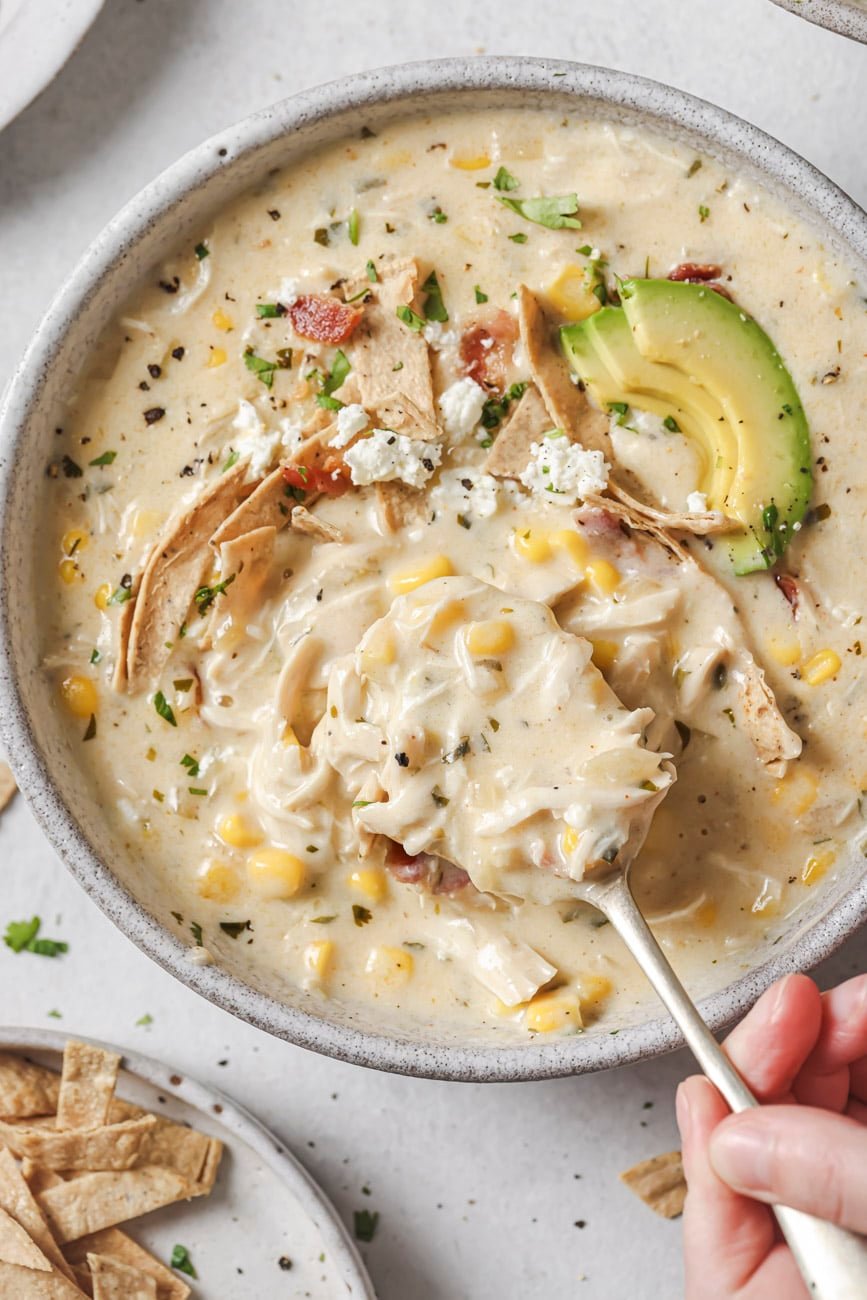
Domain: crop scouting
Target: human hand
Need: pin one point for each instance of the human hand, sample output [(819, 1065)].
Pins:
[(805, 1053)]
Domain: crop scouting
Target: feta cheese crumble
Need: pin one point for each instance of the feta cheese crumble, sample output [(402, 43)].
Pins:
[(696, 503), (438, 338), (259, 446), (560, 468), (460, 407), (469, 493), (386, 455), (351, 420)]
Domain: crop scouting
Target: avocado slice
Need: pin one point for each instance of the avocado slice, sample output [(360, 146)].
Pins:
[(692, 349)]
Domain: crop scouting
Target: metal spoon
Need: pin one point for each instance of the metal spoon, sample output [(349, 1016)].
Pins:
[(832, 1260)]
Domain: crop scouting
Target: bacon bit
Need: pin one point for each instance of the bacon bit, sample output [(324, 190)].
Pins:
[(425, 869), (331, 478), (486, 348), (323, 318), (450, 880), (789, 589), (701, 273)]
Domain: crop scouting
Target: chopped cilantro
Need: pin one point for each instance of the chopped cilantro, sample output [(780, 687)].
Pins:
[(352, 226), (620, 409), (438, 797), (268, 310), (205, 596), (460, 751), (365, 1224), (263, 369), (339, 370), (191, 764), (323, 920), (90, 730), (182, 683), (21, 936), (410, 318), (107, 458), (234, 928), (120, 596), (284, 358), (438, 216), (70, 468), (434, 307), (556, 212), (95, 656), (182, 1262), (54, 1014), (693, 167), (145, 1020), (328, 403), (197, 791), (362, 803), (232, 459), (480, 297), (504, 180), (520, 238), (703, 213), (371, 272), (164, 709), (196, 932), (671, 424), (361, 915), (202, 251)]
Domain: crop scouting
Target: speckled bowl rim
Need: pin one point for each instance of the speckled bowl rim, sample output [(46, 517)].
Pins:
[(835, 15), (238, 1123), (658, 105)]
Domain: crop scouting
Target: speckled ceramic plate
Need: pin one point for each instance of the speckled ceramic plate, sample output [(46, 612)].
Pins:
[(172, 209), (35, 43), (848, 17), (264, 1208)]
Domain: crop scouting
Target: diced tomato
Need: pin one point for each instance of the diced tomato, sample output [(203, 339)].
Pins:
[(325, 319), (331, 479), (486, 348)]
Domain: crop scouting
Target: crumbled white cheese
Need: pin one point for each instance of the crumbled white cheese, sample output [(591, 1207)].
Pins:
[(386, 455), (259, 446), (460, 407), (469, 493), (439, 338), (247, 419), (289, 291), (559, 468), (292, 436), (350, 421), (696, 503)]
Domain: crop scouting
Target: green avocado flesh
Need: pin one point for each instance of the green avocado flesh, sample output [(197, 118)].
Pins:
[(686, 354)]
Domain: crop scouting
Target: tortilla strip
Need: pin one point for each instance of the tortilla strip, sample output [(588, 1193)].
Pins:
[(529, 420), (566, 403), (305, 522), (700, 522), (124, 628), (175, 569), (115, 1280), (400, 414), (773, 739), (247, 561), (100, 1200), (204, 1184), (382, 346), (17, 1283), (87, 1085), (114, 1146), (401, 506), (18, 1201), (17, 1247), (113, 1242), (270, 503), (26, 1089), (184, 1151), (660, 1183), (8, 787)]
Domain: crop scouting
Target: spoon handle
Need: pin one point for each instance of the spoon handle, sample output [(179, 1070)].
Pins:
[(833, 1261)]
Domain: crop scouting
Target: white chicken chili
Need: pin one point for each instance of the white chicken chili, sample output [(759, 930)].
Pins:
[(458, 488)]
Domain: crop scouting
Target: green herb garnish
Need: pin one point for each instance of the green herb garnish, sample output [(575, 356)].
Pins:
[(263, 369), (520, 238), (365, 1223), (107, 458), (164, 709), (145, 1020), (620, 409), (202, 251), (182, 1262), (21, 936), (361, 915), (235, 928), (434, 307), (232, 459), (410, 318), (558, 212), (268, 310), (120, 596), (504, 180), (205, 596), (371, 272), (196, 932), (703, 213), (671, 424), (480, 297), (90, 730), (352, 226)]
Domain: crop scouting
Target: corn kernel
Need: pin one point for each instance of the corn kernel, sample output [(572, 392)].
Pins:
[(274, 873), (68, 571), (604, 654), (490, 638), (79, 695), (145, 523), (222, 321), (409, 579), (784, 651), (237, 832), (392, 966), (318, 957), (821, 667), (532, 546), (569, 841), (503, 1009), (101, 595), (549, 1012), (573, 544), (705, 916), (371, 882), (603, 576), (217, 881), (817, 865), (289, 737), (571, 295), (378, 649), (798, 788), (470, 162), (594, 987), (450, 613), (73, 540), (217, 357)]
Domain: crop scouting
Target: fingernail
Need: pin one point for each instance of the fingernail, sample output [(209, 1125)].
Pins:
[(741, 1155), (779, 998), (681, 1108), (851, 998)]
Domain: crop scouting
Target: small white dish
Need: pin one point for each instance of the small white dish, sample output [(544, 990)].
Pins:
[(847, 17), (264, 1207), (34, 46)]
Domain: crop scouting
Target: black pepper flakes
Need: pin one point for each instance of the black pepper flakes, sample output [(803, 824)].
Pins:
[(154, 413), (170, 286), (154, 371), (178, 354), (402, 759), (274, 214), (285, 1263)]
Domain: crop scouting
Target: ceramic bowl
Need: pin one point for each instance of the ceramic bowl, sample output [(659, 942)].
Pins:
[(848, 17), (172, 209)]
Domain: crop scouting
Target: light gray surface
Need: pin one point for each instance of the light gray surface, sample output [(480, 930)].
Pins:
[(151, 79)]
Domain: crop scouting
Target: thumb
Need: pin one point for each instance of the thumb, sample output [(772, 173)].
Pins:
[(812, 1160)]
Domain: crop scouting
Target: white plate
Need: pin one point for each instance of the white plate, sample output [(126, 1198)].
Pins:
[(264, 1207), (848, 17), (35, 44)]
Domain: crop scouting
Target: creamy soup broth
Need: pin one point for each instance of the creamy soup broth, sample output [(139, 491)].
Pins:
[(210, 772)]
